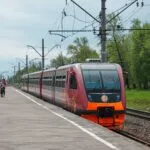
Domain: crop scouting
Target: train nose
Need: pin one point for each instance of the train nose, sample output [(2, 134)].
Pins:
[(103, 112)]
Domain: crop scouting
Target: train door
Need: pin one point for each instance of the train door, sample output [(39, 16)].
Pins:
[(72, 91)]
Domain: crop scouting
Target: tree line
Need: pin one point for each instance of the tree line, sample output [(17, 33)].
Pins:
[(132, 51)]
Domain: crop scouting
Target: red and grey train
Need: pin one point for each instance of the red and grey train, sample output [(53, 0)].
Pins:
[(94, 91)]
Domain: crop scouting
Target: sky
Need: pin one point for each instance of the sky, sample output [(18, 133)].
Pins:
[(26, 22)]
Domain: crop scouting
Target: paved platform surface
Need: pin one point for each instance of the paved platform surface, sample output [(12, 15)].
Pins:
[(28, 123)]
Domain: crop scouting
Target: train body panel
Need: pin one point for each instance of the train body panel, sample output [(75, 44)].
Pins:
[(73, 88), (123, 97), (48, 89), (25, 82), (93, 90), (35, 85), (60, 85)]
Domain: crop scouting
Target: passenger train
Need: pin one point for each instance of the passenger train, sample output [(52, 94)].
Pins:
[(94, 91)]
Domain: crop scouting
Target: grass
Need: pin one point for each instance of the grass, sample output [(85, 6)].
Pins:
[(138, 99)]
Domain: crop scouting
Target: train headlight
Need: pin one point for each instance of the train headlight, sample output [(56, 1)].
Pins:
[(104, 98), (90, 97)]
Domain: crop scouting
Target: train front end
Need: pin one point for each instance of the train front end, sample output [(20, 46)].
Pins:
[(105, 93)]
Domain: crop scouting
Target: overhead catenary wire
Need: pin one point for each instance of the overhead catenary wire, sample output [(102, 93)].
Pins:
[(96, 19), (85, 11), (74, 12), (122, 9), (76, 18), (82, 30), (133, 13), (91, 24), (77, 31)]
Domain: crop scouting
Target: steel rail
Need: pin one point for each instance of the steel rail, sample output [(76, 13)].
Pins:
[(133, 137), (138, 113)]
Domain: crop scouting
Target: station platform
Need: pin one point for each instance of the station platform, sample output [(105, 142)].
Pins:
[(29, 123)]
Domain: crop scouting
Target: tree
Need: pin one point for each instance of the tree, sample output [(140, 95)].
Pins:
[(140, 65), (117, 45), (60, 60), (131, 50), (80, 50), (116, 40)]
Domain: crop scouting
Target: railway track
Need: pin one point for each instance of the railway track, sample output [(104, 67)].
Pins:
[(135, 128), (133, 137), (138, 114)]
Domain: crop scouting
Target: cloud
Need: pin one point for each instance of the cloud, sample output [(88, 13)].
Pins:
[(10, 48)]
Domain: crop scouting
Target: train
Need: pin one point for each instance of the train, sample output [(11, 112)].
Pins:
[(94, 91)]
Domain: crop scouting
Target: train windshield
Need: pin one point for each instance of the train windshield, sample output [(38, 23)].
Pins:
[(102, 82), (110, 80), (92, 80)]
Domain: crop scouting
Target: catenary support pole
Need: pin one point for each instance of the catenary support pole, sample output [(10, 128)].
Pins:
[(26, 63), (103, 31), (43, 54)]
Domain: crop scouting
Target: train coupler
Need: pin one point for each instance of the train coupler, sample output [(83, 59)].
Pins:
[(105, 112)]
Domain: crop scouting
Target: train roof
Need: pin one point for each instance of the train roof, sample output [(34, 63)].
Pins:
[(50, 69), (111, 66), (32, 73), (99, 66), (105, 66)]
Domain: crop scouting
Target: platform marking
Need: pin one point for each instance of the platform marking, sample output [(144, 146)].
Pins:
[(72, 122)]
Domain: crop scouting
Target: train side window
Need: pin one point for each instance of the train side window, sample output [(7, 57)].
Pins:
[(73, 82)]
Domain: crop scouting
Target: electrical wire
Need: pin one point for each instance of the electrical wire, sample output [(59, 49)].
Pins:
[(75, 17), (92, 23), (120, 8), (74, 14), (134, 13)]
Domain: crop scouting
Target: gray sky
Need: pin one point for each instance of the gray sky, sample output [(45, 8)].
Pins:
[(26, 22)]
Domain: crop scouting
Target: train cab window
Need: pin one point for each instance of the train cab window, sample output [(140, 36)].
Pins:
[(92, 80), (110, 80), (73, 82)]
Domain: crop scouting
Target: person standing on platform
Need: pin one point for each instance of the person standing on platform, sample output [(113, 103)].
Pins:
[(2, 87)]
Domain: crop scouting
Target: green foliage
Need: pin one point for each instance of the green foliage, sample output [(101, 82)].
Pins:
[(60, 60), (138, 99), (115, 45), (80, 50), (132, 51), (17, 77), (140, 54)]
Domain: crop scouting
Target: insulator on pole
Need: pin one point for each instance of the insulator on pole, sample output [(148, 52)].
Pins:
[(142, 4)]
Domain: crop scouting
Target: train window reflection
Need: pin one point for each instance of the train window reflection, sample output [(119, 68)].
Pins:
[(110, 80), (106, 80), (92, 79)]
